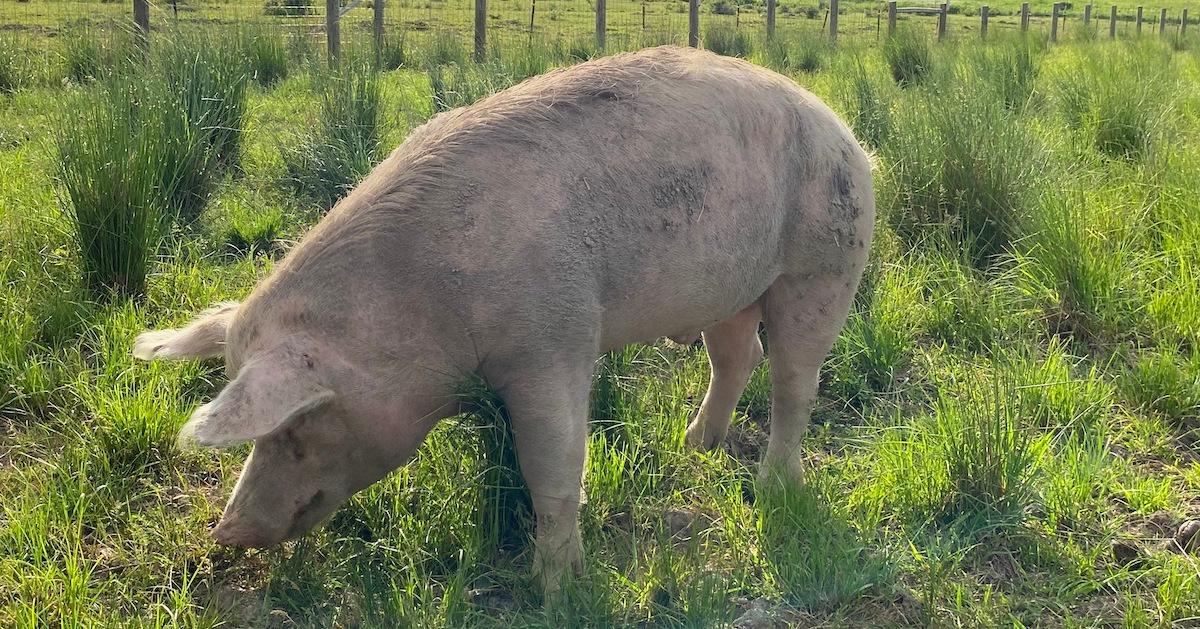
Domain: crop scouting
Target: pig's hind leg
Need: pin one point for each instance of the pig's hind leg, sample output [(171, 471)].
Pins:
[(733, 352), (803, 318)]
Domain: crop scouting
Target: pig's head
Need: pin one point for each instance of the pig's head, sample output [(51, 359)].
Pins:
[(317, 437)]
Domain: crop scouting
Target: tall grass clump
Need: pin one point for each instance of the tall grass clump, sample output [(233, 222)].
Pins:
[(348, 140), (454, 86), (724, 39), (395, 52), (972, 461), (87, 55), (880, 334), (868, 107), (1119, 99), (266, 53), (523, 60), (1165, 384), (991, 457), (804, 52), (123, 157), (1070, 266), (140, 154), (1010, 69), (11, 64), (574, 49), (810, 52), (970, 313), (445, 47), (962, 171), (909, 56), (209, 80), (505, 512)]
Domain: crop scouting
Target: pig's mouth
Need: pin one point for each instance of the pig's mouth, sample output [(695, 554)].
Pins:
[(306, 515), (246, 534)]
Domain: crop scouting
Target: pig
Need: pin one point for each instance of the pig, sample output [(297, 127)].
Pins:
[(668, 192)]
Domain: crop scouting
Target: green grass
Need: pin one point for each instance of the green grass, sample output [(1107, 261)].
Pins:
[(12, 64), (324, 165), (266, 52), (724, 39), (1016, 389), (910, 57)]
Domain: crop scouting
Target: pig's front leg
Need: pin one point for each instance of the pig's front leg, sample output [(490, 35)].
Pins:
[(549, 419)]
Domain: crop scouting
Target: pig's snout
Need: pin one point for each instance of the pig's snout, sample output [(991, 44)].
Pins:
[(244, 534)]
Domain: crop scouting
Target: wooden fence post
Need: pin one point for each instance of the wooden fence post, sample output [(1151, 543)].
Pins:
[(1112, 22), (1087, 16), (1162, 22), (770, 18), (1138, 22), (1054, 22), (333, 35), (891, 17), (1183, 24), (480, 30), (983, 19), (378, 29), (601, 23), (942, 21), (694, 23), (833, 20), (1024, 16), (141, 22)]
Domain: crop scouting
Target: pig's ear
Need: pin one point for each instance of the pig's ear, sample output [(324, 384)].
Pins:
[(202, 338), (265, 395)]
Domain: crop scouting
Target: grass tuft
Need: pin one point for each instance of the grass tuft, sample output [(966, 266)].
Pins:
[(964, 171), (869, 107), (123, 170), (348, 141), (266, 53), (909, 56), (12, 64), (728, 41), (454, 86), (1125, 112)]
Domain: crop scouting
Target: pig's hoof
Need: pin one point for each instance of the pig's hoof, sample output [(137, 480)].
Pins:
[(787, 474), (702, 437), (552, 571)]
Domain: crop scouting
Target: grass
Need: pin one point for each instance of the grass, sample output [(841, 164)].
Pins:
[(964, 170), (1126, 115), (208, 79), (909, 56), (727, 40), (87, 55), (11, 64), (266, 51), (349, 135), (1014, 396)]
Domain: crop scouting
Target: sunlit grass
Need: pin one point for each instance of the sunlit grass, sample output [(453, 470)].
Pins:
[(1016, 389)]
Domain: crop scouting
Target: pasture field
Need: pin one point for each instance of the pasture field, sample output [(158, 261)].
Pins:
[(1008, 431)]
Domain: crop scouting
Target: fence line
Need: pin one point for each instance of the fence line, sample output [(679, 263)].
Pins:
[(334, 14)]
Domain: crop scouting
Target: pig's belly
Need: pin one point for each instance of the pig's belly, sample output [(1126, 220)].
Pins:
[(680, 302)]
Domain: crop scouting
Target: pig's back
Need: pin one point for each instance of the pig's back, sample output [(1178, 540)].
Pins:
[(652, 190)]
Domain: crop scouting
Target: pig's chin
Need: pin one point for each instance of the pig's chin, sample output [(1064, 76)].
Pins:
[(239, 530), (235, 533)]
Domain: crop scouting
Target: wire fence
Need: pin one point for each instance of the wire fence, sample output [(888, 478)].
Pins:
[(627, 23)]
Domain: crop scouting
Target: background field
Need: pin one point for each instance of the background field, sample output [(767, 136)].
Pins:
[(1007, 432)]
